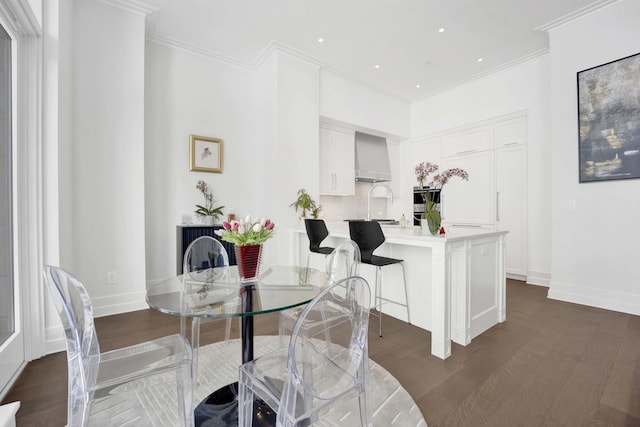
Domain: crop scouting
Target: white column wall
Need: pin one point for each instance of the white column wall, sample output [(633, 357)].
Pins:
[(106, 166), (295, 158), (595, 246)]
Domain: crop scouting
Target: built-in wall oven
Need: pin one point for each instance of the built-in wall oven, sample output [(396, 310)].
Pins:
[(420, 200)]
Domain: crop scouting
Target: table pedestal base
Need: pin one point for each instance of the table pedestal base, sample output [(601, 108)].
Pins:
[(220, 408)]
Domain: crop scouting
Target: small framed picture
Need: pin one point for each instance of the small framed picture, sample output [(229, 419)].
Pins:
[(205, 154)]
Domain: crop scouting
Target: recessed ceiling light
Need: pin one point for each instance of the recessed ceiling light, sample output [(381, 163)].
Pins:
[(441, 30), (480, 59), (376, 66), (320, 40), (418, 86)]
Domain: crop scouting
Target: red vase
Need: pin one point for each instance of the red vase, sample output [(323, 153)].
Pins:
[(248, 258)]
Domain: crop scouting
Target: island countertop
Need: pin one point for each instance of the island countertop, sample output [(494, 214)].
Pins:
[(411, 235), (456, 282)]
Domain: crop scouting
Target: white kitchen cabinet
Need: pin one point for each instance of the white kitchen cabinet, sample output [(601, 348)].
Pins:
[(511, 132), (472, 202), (468, 141), (511, 206), (494, 153), (337, 161)]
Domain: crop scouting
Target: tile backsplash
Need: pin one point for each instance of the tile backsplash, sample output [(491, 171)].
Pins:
[(338, 208)]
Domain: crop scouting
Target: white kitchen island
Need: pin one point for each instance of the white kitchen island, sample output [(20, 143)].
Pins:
[(456, 283)]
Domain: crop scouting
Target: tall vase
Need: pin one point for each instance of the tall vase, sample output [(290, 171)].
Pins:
[(432, 222), (248, 258)]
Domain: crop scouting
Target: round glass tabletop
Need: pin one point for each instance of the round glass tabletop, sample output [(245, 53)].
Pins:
[(219, 293)]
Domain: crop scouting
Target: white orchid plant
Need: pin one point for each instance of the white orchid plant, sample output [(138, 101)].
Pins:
[(423, 170), (247, 232), (208, 208)]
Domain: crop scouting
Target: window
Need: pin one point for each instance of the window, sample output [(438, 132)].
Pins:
[(7, 309)]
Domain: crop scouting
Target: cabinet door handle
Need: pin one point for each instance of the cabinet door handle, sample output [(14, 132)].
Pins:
[(467, 225), (497, 206), (511, 143), (466, 152)]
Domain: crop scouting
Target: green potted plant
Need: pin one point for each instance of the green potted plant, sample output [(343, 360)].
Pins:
[(207, 211), (305, 203)]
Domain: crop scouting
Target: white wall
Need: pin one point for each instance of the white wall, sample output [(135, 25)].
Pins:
[(107, 156), (189, 94), (595, 246), (523, 87), (268, 120), (349, 102)]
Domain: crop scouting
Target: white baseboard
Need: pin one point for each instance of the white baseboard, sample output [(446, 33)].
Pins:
[(538, 278), (609, 300), (54, 340), (117, 304), (102, 306)]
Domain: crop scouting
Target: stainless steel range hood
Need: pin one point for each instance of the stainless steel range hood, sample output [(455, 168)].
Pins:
[(372, 158)]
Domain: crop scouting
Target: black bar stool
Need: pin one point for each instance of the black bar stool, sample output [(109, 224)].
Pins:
[(317, 232), (368, 236)]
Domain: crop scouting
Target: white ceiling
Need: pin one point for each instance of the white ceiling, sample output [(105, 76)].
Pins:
[(398, 35)]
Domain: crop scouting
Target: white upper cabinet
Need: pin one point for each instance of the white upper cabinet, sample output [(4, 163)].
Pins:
[(337, 161), (511, 132), (468, 141)]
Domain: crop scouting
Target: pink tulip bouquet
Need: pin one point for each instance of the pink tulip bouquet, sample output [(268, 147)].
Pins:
[(246, 232)]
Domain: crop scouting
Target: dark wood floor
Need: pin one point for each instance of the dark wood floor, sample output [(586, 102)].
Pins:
[(550, 364)]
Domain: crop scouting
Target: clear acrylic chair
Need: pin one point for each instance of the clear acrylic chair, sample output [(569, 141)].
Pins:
[(103, 387), (343, 262), (318, 370), (205, 260)]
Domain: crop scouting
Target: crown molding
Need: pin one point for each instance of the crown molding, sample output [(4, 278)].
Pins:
[(277, 47), (502, 67), (563, 20), (135, 6), (195, 50), (19, 18), (271, 48)]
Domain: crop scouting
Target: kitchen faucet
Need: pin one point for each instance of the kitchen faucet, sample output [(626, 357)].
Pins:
[(389, 195)]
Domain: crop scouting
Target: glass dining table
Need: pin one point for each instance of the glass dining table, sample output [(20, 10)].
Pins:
[(218, 293)]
